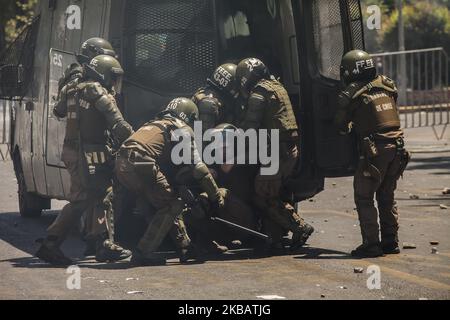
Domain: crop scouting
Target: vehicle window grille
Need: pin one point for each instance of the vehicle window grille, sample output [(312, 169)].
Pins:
[(170, 45), (356, 24), (21, 52), (328, 37)]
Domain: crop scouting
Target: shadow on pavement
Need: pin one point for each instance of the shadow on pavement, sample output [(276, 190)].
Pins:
[(438, 162), (311, 253)]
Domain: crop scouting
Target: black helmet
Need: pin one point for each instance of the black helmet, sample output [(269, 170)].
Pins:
[(94, 47), (224, 79), (184, 109), (357, 65), (249, 72), (106, 70)]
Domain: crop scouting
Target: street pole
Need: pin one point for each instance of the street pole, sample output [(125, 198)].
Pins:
[(401, 66)]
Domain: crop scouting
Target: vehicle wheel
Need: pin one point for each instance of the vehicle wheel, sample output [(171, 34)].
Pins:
[(30, 205)]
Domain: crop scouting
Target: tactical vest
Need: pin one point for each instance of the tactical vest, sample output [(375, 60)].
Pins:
[(84, 121), (279, 114), (155, 138), (72, 124), (376, 109)]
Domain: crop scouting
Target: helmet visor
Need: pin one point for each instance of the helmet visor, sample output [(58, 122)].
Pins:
[(117, 82)]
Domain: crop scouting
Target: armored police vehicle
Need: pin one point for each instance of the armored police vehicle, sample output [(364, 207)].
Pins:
[(168, 48)]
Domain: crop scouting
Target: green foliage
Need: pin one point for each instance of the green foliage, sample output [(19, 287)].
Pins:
[(17, 23), (427, 25), (15, 15)]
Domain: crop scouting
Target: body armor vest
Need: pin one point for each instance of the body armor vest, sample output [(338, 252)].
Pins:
[(84, 120), (376, 111), (279, 114)]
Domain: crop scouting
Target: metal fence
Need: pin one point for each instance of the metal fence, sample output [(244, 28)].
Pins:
[(422, 77), (5, 127)]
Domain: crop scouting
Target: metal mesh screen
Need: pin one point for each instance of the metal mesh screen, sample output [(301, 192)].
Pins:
[(356, 24), (328, 36), (21, 52), (170, 44)]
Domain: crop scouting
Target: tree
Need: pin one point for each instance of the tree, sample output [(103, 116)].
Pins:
[(14, 17), (427, 25)]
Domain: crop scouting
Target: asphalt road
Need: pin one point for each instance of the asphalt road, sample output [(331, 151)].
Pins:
[(322, 270)]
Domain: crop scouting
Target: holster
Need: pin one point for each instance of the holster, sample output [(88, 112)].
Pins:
[(403, 155)]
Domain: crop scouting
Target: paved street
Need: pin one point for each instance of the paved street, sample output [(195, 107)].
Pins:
[(322, 270)]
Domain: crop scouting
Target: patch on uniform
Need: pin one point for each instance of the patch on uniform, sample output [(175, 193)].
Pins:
[(84, 104)]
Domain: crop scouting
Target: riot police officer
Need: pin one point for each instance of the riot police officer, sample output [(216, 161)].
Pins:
[(92, 113), (217, 101), (89, 49), (269, 107), (145, 166), (368, 104)]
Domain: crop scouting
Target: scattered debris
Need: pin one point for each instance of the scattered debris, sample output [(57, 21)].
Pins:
[(343, 287), (271, 297), (340, 236), (434, 250), (434, 243), (326, 220), (358, 270), (311, 200), (132, 279), (322, 296), (414, 197), (135, 292), (443, 207), (103, 281), (407, 246), (334, 184), (446, 191)]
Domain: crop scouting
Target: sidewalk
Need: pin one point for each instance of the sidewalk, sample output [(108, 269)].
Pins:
[(424, 140)]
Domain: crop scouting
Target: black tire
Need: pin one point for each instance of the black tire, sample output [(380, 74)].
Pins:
[(30, 205)]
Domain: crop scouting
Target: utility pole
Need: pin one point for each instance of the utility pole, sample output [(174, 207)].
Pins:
[(401, 66)]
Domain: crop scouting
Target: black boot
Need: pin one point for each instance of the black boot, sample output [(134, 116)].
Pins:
[(300, 237), (190, 252), (91, 248), (52, 254), (108, 251), (147, 260), (391, 248), (368, 251)]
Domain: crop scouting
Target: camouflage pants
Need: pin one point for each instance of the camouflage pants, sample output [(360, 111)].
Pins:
[(269, 198), (82, 199), (366, 186), (150, 183)]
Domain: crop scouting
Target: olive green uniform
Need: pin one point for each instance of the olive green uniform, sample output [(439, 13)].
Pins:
[(269, 107), (91, 113), (372, 109), (155, 179)]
